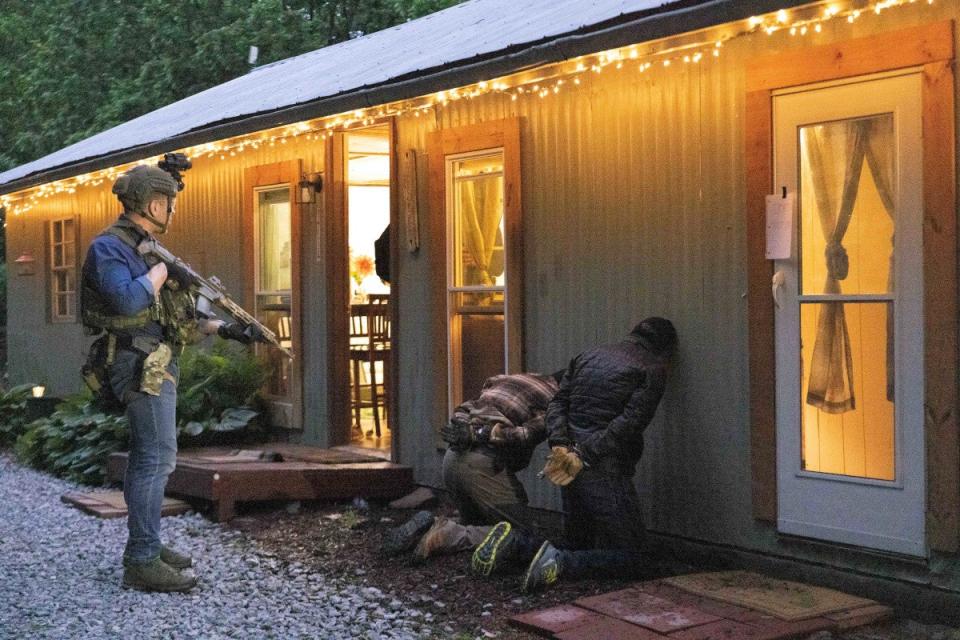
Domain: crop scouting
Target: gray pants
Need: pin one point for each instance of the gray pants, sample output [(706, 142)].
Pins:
[(485, 494)]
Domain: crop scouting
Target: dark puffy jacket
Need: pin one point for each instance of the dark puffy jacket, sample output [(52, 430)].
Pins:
[(607, 398)]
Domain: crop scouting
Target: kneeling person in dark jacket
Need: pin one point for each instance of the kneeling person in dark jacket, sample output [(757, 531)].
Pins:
[(595, 426), (490, 439)]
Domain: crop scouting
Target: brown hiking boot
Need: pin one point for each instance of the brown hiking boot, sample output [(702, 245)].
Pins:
[(403, 538), (440, 538), (174, 559), (156, 575)]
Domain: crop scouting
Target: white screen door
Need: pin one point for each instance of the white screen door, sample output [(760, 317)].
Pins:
[(849, 317)]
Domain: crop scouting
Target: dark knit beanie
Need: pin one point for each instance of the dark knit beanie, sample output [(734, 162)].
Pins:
[(658, 334)]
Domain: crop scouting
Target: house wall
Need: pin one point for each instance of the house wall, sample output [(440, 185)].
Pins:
[(206, 233), (633, 205)]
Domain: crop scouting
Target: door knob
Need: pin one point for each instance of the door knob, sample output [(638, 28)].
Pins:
[(776, 284)]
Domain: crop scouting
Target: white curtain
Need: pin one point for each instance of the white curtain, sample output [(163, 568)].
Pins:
[(835, 155)]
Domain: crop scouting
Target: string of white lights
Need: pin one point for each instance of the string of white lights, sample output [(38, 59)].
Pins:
[(541, 83)]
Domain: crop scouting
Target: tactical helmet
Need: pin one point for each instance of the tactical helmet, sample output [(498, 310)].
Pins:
[(138, 186)]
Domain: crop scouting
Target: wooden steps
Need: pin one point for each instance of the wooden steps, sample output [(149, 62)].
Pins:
[(226, 476)]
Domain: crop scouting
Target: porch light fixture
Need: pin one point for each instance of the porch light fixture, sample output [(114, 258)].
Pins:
[(308, 187), (39, 390), (25, 264)]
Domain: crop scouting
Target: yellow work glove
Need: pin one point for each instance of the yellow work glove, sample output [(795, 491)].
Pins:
[(562, 466)]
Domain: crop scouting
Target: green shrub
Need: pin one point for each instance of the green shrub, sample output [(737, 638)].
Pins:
[(217, 403), (218, 394), (13, 412), (74, 442)]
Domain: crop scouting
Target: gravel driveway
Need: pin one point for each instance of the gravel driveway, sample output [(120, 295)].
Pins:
[(60, 578)]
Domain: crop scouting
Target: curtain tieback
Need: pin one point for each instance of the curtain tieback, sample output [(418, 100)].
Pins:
[(838, 264)]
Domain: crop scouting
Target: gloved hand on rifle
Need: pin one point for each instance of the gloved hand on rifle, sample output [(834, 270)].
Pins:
[(244, 334), (562, 466)]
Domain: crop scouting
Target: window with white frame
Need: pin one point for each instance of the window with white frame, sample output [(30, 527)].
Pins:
[(63, 270)]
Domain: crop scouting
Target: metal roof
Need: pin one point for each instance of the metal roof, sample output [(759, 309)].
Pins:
[(455, 37)]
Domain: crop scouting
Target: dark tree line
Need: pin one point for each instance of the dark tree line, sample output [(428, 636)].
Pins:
[(72, 68)]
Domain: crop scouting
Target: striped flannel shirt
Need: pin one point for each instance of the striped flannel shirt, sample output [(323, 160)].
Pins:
[(521, 398)]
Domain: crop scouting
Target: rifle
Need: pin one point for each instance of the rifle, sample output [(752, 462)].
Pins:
[(211, 289)]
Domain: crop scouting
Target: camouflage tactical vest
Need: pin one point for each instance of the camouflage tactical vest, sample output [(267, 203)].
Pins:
[(174, 309)]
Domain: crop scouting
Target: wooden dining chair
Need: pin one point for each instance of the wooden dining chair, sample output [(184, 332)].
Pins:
[(370, 344)]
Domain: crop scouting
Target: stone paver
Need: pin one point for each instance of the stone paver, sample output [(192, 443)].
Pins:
[(656, 609), (556, 619)]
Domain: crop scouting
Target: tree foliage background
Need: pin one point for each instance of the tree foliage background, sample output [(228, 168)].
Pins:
[(72, 68)]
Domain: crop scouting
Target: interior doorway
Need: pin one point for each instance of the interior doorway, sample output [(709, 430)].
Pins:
[(367, 198)]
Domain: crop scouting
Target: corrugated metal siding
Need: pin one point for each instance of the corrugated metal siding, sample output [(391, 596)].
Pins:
[(206, 233), (633, 206)]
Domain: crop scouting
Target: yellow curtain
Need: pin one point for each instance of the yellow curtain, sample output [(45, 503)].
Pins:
[(481, 213)]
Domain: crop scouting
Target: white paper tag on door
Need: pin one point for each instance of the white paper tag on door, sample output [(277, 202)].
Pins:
[(780, 226)]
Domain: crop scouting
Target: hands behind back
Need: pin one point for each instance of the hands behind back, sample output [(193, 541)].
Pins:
[(562, 466)]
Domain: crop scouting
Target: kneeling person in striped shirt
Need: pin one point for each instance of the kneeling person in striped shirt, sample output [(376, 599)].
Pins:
[(490, 439)]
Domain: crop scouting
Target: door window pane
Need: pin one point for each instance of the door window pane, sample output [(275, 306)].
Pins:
[(847, 206), (477, 260), (274, 269), (478, 221), (858, 440), (275, 251)]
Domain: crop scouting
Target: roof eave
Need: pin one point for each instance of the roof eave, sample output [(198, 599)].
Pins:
[(630, 31)]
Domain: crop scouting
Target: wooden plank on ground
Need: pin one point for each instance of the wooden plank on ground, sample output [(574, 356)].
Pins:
[(111, 504)]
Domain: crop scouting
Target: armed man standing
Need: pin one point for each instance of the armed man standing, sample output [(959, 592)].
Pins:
[(145, 319)]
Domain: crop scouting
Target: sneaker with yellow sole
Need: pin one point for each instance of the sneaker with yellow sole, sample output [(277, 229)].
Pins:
[(496, 551), (544, 569)]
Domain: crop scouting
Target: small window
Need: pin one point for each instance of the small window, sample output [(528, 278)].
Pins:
[(63, 270)]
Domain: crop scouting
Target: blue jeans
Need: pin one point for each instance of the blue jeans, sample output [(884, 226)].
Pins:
[(603, 533), (153, 456), (603, 529)]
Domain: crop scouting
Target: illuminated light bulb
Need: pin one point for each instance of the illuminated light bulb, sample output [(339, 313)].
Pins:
[(770, 30), (754, 21), (686, 58), (850, 19), (666, 63), (633, 54), (576, 81), (818, 28), (793, 31), (716, 53), (619, 65), (483, 84), (782, 16), (803, 30)]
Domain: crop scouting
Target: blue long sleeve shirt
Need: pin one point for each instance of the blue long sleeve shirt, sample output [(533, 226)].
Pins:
[(119, 274)]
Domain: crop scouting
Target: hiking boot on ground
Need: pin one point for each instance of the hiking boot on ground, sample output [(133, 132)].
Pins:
[(544, 569), (496, 552), (441, 537), (174, 559), (156, 575), (403, 538)]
